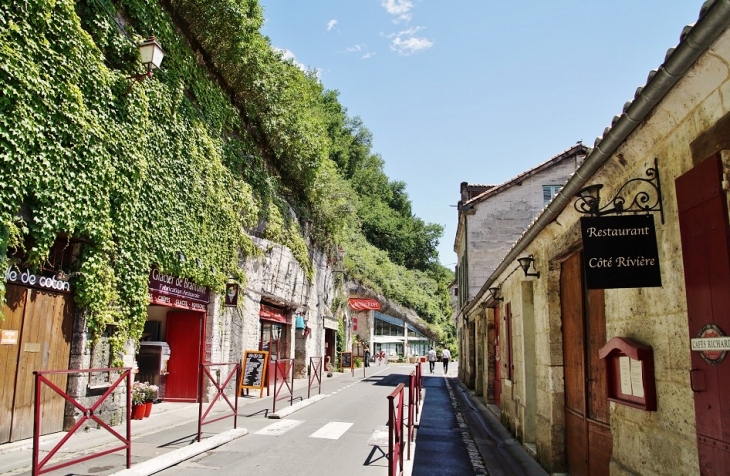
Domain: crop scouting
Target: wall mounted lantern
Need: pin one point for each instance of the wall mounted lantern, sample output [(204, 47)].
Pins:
[(276, 332), (151, 54), (647, 198), (525, 263), (495, 293), (180, 256)]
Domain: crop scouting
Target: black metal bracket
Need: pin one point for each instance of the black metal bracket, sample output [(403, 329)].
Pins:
[(645, 200)]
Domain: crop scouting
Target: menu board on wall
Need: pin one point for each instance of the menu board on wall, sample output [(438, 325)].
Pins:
[(346, 360), (254, 369)]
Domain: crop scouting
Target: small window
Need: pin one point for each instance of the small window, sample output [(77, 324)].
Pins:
[(548, 192)]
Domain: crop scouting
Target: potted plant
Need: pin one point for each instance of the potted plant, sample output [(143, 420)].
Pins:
[(150, 397), (139, 397)]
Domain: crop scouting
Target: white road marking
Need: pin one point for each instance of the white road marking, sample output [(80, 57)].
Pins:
[(332, 430), (279, 428)]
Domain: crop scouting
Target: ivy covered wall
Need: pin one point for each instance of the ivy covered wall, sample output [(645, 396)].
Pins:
[(226, 141)]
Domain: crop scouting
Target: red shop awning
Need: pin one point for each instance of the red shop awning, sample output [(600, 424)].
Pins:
[(361, 304), (274, 314)]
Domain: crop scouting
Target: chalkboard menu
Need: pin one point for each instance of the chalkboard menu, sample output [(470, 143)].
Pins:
[(254, 369), (346, 360)]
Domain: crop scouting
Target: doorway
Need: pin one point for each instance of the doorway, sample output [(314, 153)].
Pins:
[(588, 440), (705, 237), (184, 335), (37, 329)]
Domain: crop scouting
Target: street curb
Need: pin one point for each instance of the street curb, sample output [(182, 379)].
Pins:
[(165, 461), (297, 406)]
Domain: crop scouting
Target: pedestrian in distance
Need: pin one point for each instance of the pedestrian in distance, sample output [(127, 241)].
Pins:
[(367, 355), (431, 359), (445, 357)]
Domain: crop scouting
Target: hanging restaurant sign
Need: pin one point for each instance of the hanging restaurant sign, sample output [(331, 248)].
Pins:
[(231, 294), (620, 252)]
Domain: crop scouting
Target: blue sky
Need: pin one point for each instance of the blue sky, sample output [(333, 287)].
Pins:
[(476, 90)]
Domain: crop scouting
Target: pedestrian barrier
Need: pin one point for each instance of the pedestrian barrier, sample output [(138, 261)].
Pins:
[(88, 413), (411, 409), (315, 374), (419, 389), (220, 392), (282, 380), (395, 431)]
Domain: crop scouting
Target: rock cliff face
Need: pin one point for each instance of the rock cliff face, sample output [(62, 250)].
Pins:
[(275, 279)]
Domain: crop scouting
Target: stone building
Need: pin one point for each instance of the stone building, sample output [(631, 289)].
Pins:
[(613, 334), (491, 219)]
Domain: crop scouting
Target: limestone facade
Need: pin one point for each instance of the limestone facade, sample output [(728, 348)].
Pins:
[(687, 125)]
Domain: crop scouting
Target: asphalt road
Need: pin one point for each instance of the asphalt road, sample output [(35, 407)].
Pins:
[(328, 437)]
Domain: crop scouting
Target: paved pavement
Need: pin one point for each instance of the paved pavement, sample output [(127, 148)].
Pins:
[(457, 435)]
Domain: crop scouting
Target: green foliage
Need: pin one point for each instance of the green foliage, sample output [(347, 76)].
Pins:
[(228, 139), (139, 176)]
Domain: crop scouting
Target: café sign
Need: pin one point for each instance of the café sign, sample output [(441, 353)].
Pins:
[(620, 252), (169, 290)]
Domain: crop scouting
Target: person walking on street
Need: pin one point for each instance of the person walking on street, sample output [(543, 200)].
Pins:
[(445, 356), (367, 355), (431, 359)]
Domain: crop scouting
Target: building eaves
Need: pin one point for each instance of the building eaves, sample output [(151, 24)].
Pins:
[(714, 19), (578, 149)]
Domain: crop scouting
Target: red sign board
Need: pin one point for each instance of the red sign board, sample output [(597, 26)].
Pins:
[(361, 304), (270, 313), (174, 287), (354, 323), (157, 299)]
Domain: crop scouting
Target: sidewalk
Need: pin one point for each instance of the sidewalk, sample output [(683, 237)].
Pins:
[(166, 438), (459, 435)]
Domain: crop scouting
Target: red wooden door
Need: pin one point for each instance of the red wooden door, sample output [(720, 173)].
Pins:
[(588, 441), (184, 336), (703, 223), (497, 359)]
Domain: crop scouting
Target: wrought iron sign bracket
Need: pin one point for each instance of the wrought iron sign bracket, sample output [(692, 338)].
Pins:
[(647, 199)]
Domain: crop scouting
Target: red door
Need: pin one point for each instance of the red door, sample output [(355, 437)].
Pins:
[(184, 336), (703, 223), (497, 360), (588, 440)]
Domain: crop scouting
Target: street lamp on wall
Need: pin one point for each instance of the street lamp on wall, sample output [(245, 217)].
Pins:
[(151, 54), (495, 293), (525, 263)]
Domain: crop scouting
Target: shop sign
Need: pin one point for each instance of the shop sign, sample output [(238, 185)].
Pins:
[(363, 304), (26, 278), (231, 294), (158, 299), (8, 337), (711, 343), (620, 252), (175, 287)]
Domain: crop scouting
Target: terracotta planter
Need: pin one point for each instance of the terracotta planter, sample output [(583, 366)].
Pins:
[(138, 412), (147, 409)]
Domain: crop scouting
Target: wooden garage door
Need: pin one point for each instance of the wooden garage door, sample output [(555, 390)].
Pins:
[(44, 323), (588, 438)]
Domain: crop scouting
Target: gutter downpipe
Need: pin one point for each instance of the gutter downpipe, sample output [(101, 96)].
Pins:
[(678, 61)]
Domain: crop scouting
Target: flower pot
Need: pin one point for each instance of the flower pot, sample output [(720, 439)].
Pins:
[(138, 411), (147, 409)]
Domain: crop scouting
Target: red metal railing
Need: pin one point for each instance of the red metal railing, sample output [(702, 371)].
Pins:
[(315, 374), (395, 431), (282, 380), (419, 388), (89, 413), (220, 392)]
